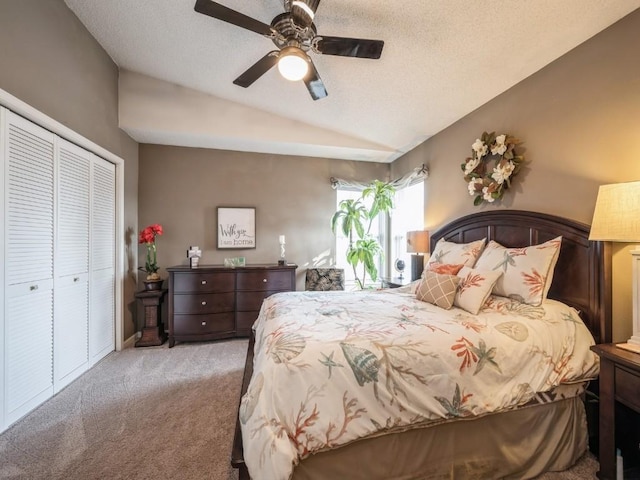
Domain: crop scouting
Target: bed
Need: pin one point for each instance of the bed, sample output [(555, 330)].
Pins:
[(545, 432)]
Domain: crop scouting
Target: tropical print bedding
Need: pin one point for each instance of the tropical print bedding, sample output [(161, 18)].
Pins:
[(333, 367)]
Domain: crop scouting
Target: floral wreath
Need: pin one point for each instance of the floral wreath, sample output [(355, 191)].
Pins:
[(486, 183)]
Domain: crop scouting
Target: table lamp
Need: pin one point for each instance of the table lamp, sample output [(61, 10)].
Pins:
[(617, 219), (417, 243)]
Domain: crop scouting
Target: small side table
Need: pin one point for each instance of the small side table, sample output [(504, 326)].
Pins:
[(395, 282), (619, 382), (153, 333)]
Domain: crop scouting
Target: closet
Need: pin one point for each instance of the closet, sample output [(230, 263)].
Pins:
[(58, 218)]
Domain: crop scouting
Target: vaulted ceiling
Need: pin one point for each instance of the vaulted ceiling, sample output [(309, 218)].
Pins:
[(441, 60)]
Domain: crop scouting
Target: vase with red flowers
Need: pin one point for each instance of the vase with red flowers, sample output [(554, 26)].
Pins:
[(148, 238)]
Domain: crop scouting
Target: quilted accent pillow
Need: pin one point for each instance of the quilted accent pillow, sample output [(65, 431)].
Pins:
[(457, 253), (474, 288), (527, 272), (325, 279), (445, 268), (438, 289)]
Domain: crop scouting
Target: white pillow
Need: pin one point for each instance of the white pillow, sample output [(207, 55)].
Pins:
[(456, 253), (527, 272), (474, 288)]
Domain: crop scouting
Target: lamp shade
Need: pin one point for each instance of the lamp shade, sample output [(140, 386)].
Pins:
[(617, 214), (418, 241)]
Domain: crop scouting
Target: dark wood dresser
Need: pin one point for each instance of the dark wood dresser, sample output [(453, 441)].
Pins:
[(212, 301)]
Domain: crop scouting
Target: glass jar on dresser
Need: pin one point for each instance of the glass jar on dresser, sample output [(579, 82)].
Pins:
[(212, 301)]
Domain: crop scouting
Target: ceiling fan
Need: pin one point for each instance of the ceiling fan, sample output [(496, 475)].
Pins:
[(294, 33)]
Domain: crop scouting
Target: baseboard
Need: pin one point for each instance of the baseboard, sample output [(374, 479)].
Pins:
[(131, 341)]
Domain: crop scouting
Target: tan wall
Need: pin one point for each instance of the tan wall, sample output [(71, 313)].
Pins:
[(579, 118), (180, 188), (51, 62)]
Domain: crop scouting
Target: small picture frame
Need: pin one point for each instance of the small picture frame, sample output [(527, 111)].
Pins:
[(234, 262), (236, 227)]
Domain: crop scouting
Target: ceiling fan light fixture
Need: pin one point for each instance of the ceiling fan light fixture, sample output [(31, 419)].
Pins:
[(293, 63)]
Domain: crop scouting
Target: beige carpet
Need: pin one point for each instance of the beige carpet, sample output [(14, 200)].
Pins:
[(147, 413)]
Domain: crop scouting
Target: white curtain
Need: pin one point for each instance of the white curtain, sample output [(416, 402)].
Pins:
[(417, 174)]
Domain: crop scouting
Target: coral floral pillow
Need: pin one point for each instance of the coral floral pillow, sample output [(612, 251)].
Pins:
[(474, 288), (527, 272), (452, 253), (438, 289), (445, 268)]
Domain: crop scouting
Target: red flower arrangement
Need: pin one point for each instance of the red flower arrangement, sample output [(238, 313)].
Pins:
[(148, 237)]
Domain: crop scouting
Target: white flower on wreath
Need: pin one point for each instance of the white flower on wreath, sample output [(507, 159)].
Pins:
[(471, 165), (472, 186), (486, 195), (502, 173), (499, 147), (480, 148)]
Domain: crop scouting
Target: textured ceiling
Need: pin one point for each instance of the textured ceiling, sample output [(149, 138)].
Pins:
[(441, 60)]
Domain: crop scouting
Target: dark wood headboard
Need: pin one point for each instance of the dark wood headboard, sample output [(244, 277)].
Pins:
[(582, 277)]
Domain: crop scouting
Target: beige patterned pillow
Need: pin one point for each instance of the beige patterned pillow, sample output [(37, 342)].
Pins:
[(527, 272), (457, 253), (474, 288), (438, 289)]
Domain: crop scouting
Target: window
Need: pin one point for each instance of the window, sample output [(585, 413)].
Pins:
[(342, 242), (408, 215)]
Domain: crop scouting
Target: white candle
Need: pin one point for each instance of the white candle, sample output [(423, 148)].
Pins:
[(282, 239)]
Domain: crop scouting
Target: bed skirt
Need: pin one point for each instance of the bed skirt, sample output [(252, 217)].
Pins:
[(517, 444)]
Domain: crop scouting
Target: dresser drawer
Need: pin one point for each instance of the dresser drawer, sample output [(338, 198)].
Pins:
[(204, 303), (190, 282), (627, 388), (265, 280), (250, 301), (203, 324)]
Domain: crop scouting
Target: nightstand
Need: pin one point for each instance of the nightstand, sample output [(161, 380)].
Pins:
[(619, 382), (394, 282)]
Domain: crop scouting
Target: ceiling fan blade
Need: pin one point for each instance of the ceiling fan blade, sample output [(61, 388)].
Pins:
[(303, 11), (215, 10), (314, 83), (258, 69), (349, 47)]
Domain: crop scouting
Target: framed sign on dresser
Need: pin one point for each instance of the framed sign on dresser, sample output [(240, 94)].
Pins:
[(212, 301)]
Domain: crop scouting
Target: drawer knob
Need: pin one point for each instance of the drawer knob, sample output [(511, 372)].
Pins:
[(76, 279), (204, 323), (204, 303), (203, 282), (264, 280), (33, 287)]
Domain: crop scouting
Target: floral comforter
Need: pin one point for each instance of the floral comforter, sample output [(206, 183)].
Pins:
[(333, 367)]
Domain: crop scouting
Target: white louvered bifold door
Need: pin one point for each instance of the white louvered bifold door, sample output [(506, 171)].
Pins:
[(102, 261), (71, 286), (28, 274)]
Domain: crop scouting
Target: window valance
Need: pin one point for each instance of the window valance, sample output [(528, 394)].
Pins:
[(416, 175)]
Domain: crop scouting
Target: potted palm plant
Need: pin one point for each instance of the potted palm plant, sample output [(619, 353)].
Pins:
[(354, 219)]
